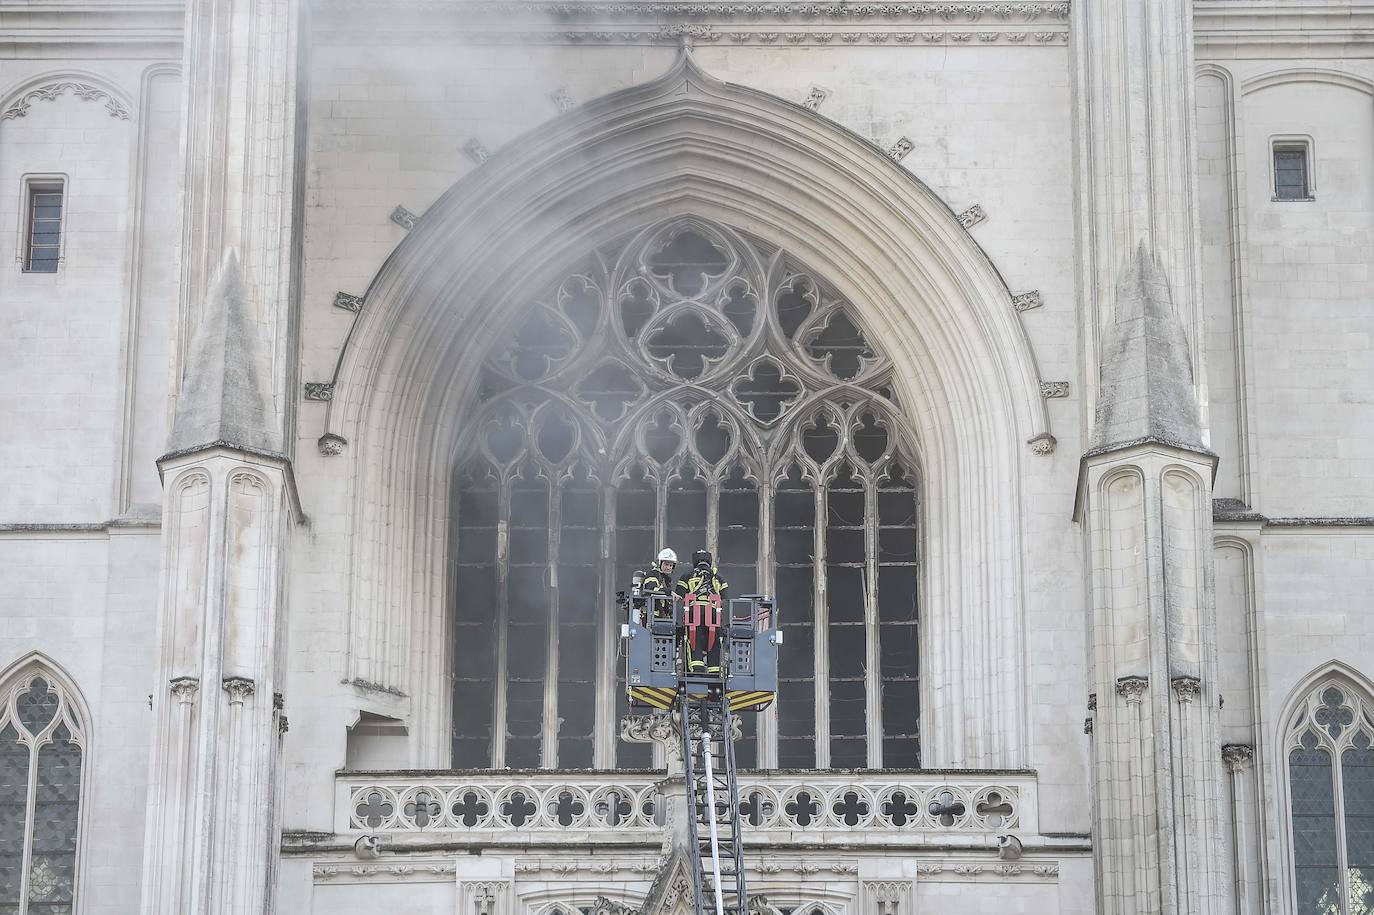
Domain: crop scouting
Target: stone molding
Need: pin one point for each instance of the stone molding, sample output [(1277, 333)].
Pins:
[(53, 91)]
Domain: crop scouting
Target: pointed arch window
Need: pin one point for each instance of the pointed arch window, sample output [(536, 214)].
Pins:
[(41, 757), (1330, 754), (689, 387)]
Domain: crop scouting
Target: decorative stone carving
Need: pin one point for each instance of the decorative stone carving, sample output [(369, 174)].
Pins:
[(1237, 756), (814, 97), (1132, 689), (1043, 444), (562, 99), (1026, 300), (970, 11), (972, 216), (1088, 726), (239, 689), (331, 445), (1186, 688), (319, 390), (404, 218), (1054, 389), (353, 303), (1092, 702), (53, 91), (185, 689), (476, 150), (900, 149), (886, 897)]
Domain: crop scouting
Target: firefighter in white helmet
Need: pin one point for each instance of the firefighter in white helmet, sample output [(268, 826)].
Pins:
[(659, 580)]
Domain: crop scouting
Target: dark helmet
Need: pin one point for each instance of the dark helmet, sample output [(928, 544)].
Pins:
[(701, 558)]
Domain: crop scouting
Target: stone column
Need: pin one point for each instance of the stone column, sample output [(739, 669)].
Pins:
[(1245, 853), (1145, 483), (229, 501)]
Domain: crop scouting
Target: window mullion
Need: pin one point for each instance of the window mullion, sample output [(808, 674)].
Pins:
[(549, 754), (1338, 801), (872, 671), (660, 541), (498, 726), (30, 812), (822, 631), (607, 728), (713, 516), (768, 719)]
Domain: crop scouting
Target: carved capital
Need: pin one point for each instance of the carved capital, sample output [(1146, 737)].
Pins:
[(239, 689), (1043, 444), (331, 445), (1186, 688), (1132, 689), (1237, 756), (185, 689)]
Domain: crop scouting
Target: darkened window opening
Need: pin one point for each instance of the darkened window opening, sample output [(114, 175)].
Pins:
[(43, 233), (686, 388), (1291, 181)]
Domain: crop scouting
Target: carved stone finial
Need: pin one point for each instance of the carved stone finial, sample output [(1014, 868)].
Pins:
[(1042, 444), (562, 99), (1132, 689), (185, 689), (900, 149), (1237, 756), (404, 218), (477, 151), (1049, 389), (332, 445), (239, 689), (353, 303), (814, 97), (972, 216), (1186, 688)]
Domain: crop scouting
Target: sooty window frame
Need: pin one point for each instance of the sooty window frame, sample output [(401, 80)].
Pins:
[(1284, 151), (51, 241), (44, 763), (685, 386), (1328, 758)]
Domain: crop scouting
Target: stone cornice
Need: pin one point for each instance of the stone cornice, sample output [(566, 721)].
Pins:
[(136, 28), (1245, 28), (769, 22)]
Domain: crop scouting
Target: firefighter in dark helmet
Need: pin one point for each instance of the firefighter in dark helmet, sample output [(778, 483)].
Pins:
[(703, 596)]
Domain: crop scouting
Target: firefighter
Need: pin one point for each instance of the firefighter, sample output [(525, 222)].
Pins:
[(703, 595), (659, 580)]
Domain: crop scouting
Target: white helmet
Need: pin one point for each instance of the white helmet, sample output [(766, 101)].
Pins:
[(667, 555)]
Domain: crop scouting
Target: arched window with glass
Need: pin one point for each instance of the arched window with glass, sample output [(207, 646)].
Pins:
[(1331, 801), (42, 749), (687, 386)]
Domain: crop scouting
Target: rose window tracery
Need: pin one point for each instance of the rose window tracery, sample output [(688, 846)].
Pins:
[(688, 386)]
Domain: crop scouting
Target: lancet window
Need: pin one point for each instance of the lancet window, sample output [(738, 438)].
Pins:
[(41, 756), (686, 387), (1331, 793)]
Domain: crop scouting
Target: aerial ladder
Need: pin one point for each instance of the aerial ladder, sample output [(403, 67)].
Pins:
[(657, 676)]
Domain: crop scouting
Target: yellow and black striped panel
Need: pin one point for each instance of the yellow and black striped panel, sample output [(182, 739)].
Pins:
[(658, 698), (749, 699)]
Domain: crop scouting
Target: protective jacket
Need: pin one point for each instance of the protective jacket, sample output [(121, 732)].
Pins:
[(703, 594)]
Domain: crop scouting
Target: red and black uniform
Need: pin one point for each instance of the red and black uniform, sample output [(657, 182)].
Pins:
[(703, 594)]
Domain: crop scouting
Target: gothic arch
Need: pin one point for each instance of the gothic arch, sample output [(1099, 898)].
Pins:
[(1357, 692), (71, 723), (671, 148)]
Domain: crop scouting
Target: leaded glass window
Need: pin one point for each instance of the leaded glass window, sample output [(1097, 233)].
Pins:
[(40, 791), (687, 386), (1331, 791)]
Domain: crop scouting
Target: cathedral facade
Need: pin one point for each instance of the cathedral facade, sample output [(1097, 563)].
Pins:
[(356, 353)]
